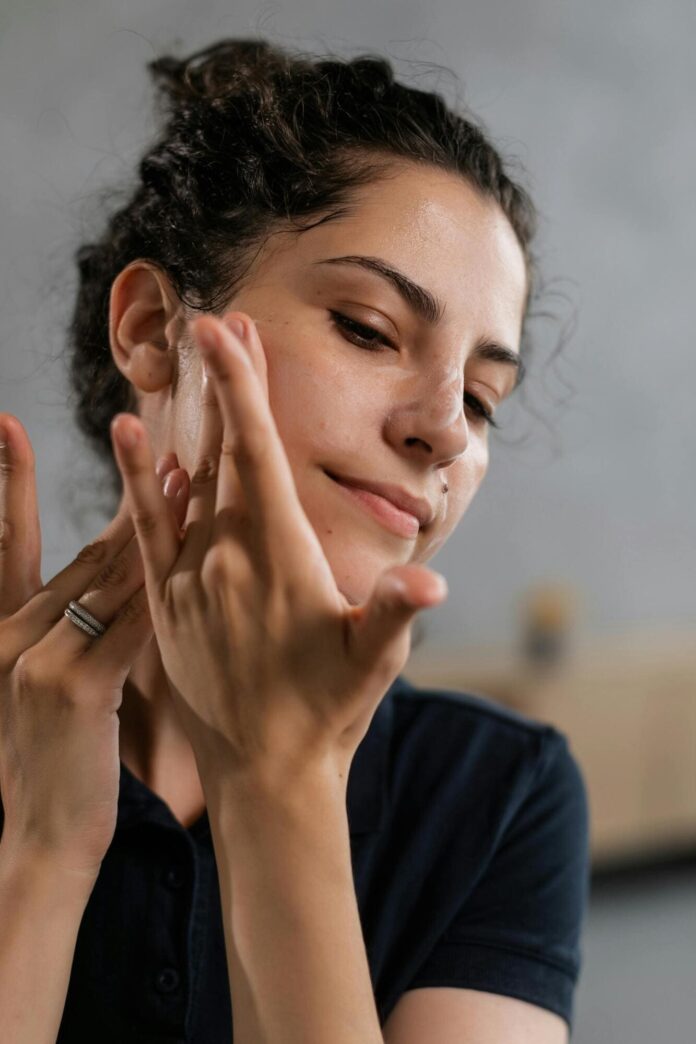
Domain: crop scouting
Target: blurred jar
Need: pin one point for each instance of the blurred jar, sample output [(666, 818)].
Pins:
[(548, 614)]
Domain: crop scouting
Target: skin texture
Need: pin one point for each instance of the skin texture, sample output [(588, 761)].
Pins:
[(393, 415)]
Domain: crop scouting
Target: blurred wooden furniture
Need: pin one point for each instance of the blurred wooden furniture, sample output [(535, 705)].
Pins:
[(628, 707)]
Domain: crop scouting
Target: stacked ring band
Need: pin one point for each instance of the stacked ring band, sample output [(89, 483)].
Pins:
[(83, 619)]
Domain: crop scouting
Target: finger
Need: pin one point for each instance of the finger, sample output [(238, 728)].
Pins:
[(229, 491), (175, 485), (110, 590), (200, 515), (104, 598), (165, 464), (176, 489), (29, 624), (245, 328), (130, 631), (20, 531), (261, 462), (380, 629), (112, 656), (155, 525)]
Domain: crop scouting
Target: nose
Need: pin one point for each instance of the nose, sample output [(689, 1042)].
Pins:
[(432, 423)]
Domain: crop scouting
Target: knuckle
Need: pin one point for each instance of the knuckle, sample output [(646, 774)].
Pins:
[(10, 647), (216, 567), (136, 611), (93, 553), (23, 668), (222, 375), (396, 657), (37, 674), (205, 471), (252, 448), (29, 672), (145, 522), (182, 594), (115, 574)]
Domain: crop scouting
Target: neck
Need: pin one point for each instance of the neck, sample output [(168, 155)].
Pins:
[(153, 743)]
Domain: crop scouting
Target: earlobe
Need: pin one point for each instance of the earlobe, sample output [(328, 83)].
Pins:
[(145, 318)]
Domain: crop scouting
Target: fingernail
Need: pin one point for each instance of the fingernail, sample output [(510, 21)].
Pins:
[(236, 326), (127, 436), (398, 585), (442, 584), (172, 485), (159, 467), (207, 336)]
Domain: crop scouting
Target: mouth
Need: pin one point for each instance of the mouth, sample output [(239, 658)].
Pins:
[(398, 521)]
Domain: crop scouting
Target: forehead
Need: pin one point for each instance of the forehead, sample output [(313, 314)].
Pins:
[(436, 228)]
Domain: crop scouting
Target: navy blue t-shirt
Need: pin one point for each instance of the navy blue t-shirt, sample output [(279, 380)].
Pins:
[(470, 850)]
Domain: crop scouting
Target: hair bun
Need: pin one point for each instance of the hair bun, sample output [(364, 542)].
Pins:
[(218, 71)]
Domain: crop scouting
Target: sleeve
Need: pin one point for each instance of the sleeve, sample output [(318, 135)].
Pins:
[(518, 933)]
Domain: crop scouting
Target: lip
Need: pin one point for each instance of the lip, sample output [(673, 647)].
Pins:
[(400, 510)]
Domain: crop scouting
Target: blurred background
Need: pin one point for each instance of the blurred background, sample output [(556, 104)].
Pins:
[(572, 576)]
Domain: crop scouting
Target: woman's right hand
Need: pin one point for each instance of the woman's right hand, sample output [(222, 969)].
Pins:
[(60, 689)]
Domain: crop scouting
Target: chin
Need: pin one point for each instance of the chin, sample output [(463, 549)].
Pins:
[(356, 566)]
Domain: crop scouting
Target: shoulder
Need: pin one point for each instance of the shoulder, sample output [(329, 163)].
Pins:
[(475, 755), (468, 723), (464, 707), (489, 807)]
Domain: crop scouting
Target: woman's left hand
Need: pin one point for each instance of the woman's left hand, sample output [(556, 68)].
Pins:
[(271, 669)]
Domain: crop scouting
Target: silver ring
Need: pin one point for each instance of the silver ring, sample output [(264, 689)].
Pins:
[(83, 619)]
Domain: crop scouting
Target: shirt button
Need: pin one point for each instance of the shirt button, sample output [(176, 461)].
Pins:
[(173, 877), (166, 980)]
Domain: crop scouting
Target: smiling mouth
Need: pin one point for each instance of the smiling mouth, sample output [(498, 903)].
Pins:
[(399, 522)]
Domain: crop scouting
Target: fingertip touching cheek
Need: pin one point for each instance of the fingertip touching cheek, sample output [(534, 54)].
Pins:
[(391, 339)]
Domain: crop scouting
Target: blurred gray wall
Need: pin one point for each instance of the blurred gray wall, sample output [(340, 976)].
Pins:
[(595, 99)]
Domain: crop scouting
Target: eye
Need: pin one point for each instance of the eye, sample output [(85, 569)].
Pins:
[(359, 332), (369, 338)]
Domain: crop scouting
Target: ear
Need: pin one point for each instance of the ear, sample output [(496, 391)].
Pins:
[(145, 318)]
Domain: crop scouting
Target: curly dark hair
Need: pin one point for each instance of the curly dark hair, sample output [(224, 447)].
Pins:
[(257, 140)]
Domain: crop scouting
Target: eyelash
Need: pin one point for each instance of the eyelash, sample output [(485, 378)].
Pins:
[(347, 325)]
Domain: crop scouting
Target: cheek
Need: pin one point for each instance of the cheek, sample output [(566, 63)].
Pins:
[(466, 485), (186, 419), (316, 408), (298, 408)]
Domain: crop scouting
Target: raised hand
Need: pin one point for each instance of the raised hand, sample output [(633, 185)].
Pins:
[(60, 689), (271, 668)]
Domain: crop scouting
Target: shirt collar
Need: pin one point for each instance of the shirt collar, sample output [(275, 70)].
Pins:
[(366, 795)]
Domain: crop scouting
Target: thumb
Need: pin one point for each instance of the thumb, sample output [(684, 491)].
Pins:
[(381, 628)]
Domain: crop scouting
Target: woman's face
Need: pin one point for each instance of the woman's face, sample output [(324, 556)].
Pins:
[(402, 412)]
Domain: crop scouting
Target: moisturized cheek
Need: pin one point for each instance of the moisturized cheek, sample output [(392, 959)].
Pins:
[(187, 418)]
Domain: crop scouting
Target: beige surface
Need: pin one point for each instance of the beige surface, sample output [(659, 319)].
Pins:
[(627, 704)]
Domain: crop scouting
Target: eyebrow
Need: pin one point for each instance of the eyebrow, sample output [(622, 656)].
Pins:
[(426, 306)]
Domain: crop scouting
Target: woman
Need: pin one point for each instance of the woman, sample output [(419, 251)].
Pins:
[(219, 793)]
